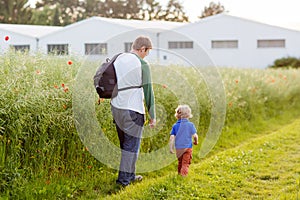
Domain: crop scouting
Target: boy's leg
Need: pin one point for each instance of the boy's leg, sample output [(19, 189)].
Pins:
[(179, 155), (186, 161), (179, 164)]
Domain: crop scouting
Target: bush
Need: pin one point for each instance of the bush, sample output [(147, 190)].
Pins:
[(288, 62)]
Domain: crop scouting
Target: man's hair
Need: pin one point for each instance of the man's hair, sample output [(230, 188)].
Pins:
[(183, 111), (142, 41)]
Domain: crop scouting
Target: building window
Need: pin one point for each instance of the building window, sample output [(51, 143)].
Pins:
[(58, 49), (270, 43), (21, 48), (224, 44), (128, 46), (96, 49), (181, 45)]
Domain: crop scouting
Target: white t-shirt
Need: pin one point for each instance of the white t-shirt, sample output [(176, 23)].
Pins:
[(129, 73)]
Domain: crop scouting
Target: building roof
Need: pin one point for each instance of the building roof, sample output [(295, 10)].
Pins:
[(290, 26), (151, 26), (30, 30), (37, 31), (142, 24)]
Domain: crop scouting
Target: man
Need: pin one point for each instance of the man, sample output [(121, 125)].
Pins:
[(128, 106)]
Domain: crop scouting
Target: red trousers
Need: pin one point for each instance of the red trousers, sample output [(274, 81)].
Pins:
[(184, 157)]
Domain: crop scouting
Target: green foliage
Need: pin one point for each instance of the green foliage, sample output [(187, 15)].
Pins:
[(62, 12), (42, 155), (212, 9), (37, 133), (287, 62), (15, 12), (65, 12)]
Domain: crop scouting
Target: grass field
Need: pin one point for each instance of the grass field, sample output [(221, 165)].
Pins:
[(267, 167), (247, 121)]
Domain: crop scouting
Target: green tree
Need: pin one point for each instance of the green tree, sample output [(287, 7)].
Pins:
[(174, 12), (113, 9), (60, 12), (63, 12), (151, 10), (123, 9), (135, 9), (212, 9), (15, 11), (90, 8), (56, 17), (43, 16)]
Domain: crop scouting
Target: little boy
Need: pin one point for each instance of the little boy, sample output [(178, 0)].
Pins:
[(182, 132)]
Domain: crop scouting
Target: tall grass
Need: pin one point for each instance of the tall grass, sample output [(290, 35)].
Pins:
[(38, 138)]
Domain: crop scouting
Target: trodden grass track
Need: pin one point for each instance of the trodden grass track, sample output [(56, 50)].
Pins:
[(267, 167)]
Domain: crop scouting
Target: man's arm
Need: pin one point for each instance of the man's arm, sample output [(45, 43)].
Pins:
[(148, 91)]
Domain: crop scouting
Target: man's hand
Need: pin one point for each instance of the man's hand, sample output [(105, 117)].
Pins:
[(152, 123)]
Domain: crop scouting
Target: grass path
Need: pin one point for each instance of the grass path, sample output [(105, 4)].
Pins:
[(267, 167)]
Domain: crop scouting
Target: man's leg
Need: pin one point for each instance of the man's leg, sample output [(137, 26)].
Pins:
[(129, 157), (129, 126), (120, 136)]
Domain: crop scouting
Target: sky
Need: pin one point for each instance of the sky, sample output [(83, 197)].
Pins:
[(276, 12), (268, 11)]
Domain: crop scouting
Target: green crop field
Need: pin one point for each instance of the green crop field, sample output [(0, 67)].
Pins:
[(247, 121)]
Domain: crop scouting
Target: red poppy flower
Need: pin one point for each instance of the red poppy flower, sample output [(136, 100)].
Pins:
[(66, 89), (100, 100), (56, 86), (70, 62), (273, 80), (6, 38), (63, 85)]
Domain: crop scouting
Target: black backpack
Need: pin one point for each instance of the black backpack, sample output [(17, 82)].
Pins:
[(105, 80)]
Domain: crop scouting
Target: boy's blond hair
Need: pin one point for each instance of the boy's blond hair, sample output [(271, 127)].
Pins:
[(183, 111), (142, 41)]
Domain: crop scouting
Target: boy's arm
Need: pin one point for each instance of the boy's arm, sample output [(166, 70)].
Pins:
[(195, 136), (172, 139)]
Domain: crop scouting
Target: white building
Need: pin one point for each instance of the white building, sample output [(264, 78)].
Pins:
[(22, 37), (235, 42), (221, 40), (99, 37)]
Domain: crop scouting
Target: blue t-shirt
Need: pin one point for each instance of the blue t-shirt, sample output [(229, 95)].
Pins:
[(183, 130)]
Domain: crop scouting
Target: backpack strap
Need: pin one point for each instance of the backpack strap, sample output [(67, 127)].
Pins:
[(130, 87)]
